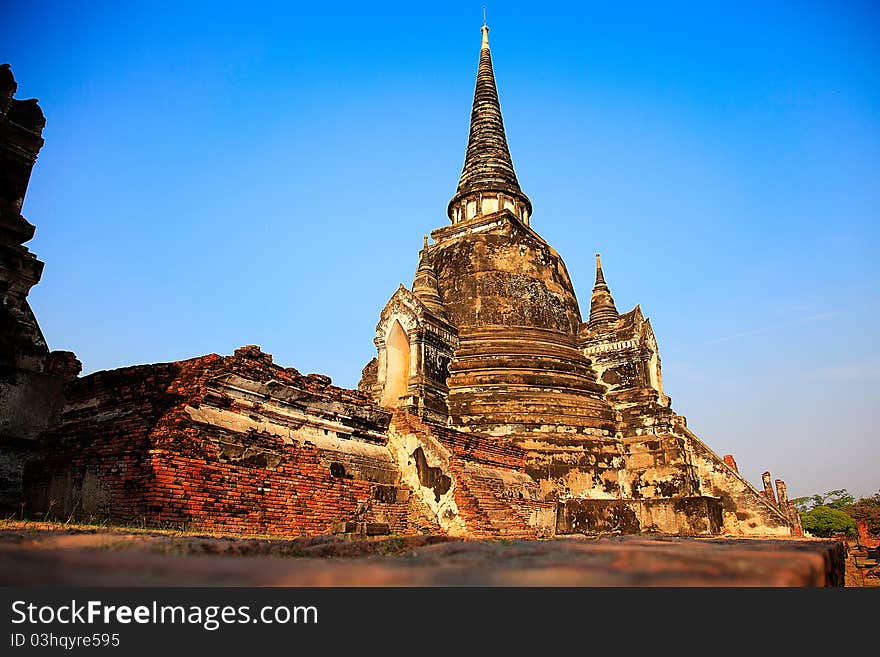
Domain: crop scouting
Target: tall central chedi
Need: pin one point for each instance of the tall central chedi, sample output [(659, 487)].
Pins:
[(517, 371), (490, 340)]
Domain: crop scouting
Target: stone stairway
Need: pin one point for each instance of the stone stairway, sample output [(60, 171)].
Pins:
[(494, 498), (484, 509)]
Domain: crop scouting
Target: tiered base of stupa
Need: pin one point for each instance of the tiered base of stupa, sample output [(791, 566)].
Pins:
[(584, 401)]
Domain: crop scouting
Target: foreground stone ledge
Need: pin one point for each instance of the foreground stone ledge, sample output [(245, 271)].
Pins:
[(45, 554)]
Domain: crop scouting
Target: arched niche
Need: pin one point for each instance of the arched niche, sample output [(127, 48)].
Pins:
[(397, 355)]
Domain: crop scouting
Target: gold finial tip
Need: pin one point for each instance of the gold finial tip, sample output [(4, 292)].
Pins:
[(426, 241)]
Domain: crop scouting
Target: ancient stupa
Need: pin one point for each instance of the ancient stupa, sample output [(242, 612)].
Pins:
[(490, 340)]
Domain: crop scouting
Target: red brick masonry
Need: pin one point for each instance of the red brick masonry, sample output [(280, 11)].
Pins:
[(131, 448)]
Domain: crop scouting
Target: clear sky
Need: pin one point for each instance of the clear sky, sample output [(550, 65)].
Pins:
[(222, 174)]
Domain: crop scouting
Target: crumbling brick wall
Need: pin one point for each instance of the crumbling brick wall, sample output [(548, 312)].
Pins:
[(96, 462), (132, 447)]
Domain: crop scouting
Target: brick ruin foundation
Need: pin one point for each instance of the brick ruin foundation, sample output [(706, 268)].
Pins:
[(491, 410), (239, 444)]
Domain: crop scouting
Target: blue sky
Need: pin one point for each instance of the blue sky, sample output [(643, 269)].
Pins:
[(219, 174)]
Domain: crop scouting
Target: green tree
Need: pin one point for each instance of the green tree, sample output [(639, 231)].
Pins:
[(802, 504), (836, 499), (824, 520), (867, 509)]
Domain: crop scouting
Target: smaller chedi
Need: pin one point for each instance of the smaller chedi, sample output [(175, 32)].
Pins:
[(492, 409)]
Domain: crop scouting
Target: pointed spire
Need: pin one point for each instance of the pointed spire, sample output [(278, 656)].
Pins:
[(602, 308), (425, 284), (600, 276), (488, 181)]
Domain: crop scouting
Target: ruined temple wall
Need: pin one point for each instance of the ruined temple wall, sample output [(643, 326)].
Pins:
[(684, 516), (307, 492), (145, 445), (95, 463), (31, 402), (744, 510), (238, 444), (642, 483), (658, 466), (251, 468), (568, 466)]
